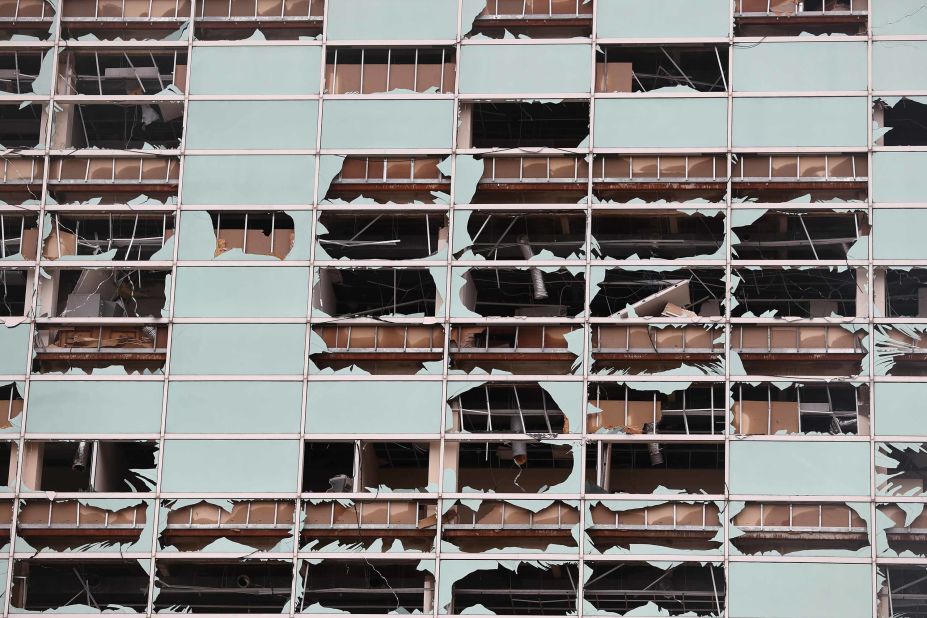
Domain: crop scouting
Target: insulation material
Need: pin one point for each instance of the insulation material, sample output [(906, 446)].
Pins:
[(132, 519), (224, 522)]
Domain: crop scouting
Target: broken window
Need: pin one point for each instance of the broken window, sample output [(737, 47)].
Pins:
[(154, 19), (555, 179), (800, 234), (784, 527), (823, 408), (499, 407), (498, 524), (518, 125), (62, 525), (365, 586), (134, 180), (223, 586), (22, 126), (103, 293), (517, 348), (83, 347), (783, 178), (642, 349), (410, 522), (116, 73), (903, 533), (679, 526), (375, 292), (516, 466), (274, 19), (260, 524), (21, 179), (652, 178), (377, 348), (11, 405), (690, 292), (674, 588), (118, 126), (519, 589), (657, 234), (27, 18), (642, 467), (112, 236), (18, 70), (356, 466), (376, 70), (647, 68), (623, 409), (256, 233), (89, 466), (502, 235), (89, 586), (827, 349), (15, 294), (794, 17), (535, 19), (403, 180), (523, 292), (903, 123), (376, 236), (901, 469), (903, 591), (803, 293)]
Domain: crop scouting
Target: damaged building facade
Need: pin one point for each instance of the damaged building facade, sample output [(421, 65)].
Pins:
[(483, 307)]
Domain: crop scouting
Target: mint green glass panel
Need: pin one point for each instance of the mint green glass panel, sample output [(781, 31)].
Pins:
[(374, 407), (800, 66), (241, 291), (14, 346), (901, 409), (251, 125), (387, 124), (253, 69), (799, 590), (501, 69), (238, 349), (94, 407), (800, 468), (230, 466), (899, 233), (393, 20), (655, 123), (898, 177), (659, 19), (234, 407), (790, 122), (898, 17), (899, 65), (248, 179)]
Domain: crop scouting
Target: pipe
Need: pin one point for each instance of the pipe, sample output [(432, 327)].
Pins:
[(653, 448), (519, 448), (537, 277), (81, 456)]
